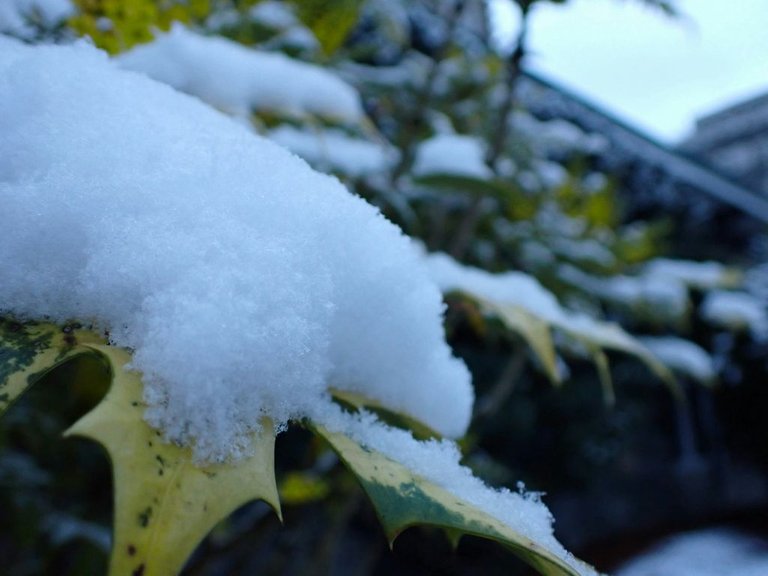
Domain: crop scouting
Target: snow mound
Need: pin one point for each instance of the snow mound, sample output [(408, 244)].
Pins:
[(246, 283)]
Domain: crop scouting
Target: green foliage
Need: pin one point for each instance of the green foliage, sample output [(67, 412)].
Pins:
[(330, 20), (117, 25)]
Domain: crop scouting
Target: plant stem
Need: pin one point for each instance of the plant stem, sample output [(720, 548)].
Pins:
[(502, 389), (513, 70), (499, 138), (415, 118)]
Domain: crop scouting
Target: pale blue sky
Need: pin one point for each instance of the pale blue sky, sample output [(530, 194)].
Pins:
[(657, 73)]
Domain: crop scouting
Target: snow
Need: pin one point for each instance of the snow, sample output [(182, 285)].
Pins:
[(556, 136), (274, 14), (712, 552), (701, 275), (245, 282), (583, 250), (658, 296), (682, 356), (15, 15), (439, 462), (736, 310), (240, 80), (516, 289), (452, 154), (662, 287), (334, 150)]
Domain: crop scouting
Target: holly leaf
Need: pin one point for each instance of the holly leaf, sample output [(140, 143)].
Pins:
[(165, 503), (535, 331), (403, 499), (29, 351), (597, 336), (358, 401)]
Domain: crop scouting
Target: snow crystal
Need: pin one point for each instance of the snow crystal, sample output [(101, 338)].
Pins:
[(245, 282), (452, 154), (439, 462), (713, 552), (334, 150), (239, 80), (682, 356), (736, 310)]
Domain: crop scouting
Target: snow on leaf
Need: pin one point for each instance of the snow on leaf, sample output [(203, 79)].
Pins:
[(683, 357), (164, 503), (400, 419), (403, 499), (606, 335), (520, 301), (179, 237), (240, 80)]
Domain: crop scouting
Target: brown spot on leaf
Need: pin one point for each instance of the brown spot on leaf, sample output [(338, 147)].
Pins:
[(145, 516), (131, 550), (139, 571)]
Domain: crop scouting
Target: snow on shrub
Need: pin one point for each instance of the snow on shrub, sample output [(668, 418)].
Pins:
[(240, 80), (245, 282)]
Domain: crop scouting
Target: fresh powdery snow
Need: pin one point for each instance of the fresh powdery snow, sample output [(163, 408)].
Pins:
[(245, 282), (240, 80)]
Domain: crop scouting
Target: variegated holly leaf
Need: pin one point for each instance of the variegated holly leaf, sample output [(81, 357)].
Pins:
[(358, 401), (29, 351), (532, 329), (403, 499), (165, 503), (597, 337), (594, 336)]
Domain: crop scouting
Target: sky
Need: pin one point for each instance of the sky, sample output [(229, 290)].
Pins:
[(659, 74)]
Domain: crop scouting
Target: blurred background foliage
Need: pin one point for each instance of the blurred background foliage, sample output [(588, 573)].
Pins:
[(615, 475)]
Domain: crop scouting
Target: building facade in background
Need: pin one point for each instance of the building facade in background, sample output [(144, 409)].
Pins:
[(735, 141)]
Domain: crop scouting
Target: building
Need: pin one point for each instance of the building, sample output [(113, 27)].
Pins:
[(735, 141), (717, 205)]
